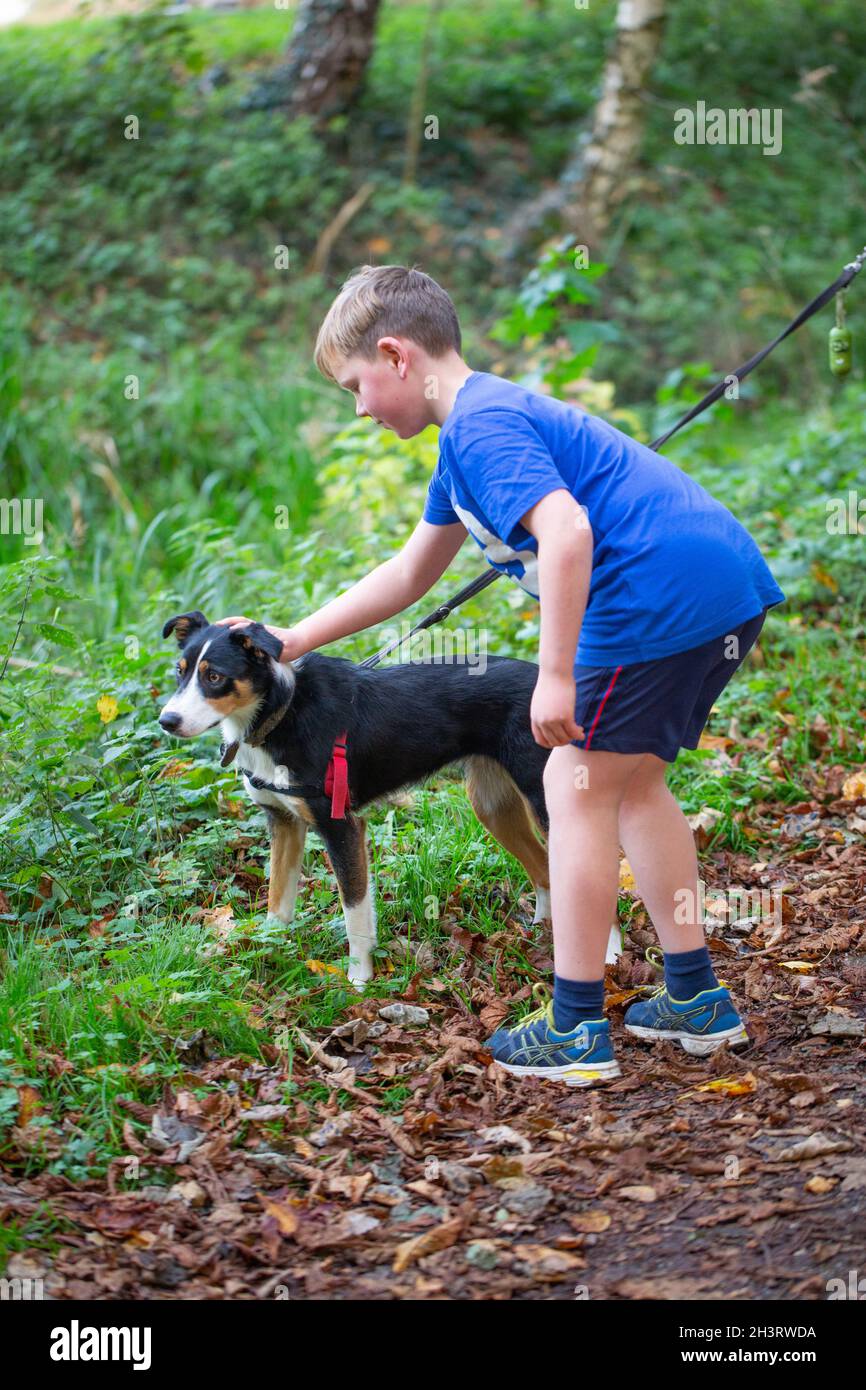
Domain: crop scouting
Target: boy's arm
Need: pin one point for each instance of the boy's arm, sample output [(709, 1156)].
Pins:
[(564, 537), (388, 589)]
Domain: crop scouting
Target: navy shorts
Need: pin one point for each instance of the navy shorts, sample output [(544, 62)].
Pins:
[(663, 705)]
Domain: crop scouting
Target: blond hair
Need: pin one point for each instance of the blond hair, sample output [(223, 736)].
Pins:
[(382, 300)]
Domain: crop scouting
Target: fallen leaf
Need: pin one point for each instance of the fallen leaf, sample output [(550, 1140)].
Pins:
[(854, 787), (503, 1136), (322, 967), (29, 1104), (439, 1238), (626, 877), (714, 741), (730, 1085), (815, 1146), (591, 1222), (820, 1185)]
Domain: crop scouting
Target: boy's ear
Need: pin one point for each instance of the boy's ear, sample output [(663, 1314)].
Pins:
[(184, 624), (256, 638)]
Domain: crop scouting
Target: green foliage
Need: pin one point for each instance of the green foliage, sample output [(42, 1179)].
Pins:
[(543, 313), (372, 476)]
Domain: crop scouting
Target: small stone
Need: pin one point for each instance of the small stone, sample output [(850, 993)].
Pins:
[(839, 1026), (528, 1199), (405, 1014), (358, 1223), (388, 1169), (482, 1254)]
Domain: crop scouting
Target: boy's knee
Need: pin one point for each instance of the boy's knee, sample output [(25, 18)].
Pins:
[(646, 783)]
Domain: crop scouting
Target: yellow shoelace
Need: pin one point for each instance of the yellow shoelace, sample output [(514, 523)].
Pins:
[(655, 957), (540, 991)]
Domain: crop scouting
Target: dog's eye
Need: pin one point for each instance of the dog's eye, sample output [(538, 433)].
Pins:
[(214, 677)]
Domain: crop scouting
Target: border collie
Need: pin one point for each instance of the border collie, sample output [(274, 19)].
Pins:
[(319, 739)]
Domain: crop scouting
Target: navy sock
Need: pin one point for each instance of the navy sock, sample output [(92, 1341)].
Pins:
[(574, 1001), (688, 972)]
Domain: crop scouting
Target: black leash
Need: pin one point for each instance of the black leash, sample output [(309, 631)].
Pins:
[(476, 585), (439, 613), (848, 273)]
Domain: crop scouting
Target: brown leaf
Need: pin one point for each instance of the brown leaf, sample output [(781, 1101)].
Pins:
[(591, 1222), (814, 1146), (351, 1185), (286, 1217), (819, 1184), (439, 1238), (29, 1104)]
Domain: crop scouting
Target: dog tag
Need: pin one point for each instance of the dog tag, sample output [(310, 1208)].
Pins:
[(229, 752)]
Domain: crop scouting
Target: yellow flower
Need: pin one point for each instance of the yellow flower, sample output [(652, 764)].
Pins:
[(107, 707)]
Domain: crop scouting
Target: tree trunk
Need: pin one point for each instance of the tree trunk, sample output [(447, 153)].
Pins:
[(595, 178), (331, 44)]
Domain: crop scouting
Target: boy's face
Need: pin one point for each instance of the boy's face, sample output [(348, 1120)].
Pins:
[(386, 389)]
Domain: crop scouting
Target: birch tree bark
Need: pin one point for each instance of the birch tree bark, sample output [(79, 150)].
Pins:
[(595, 178)]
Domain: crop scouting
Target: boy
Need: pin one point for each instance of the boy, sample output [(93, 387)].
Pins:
[(650, 593)]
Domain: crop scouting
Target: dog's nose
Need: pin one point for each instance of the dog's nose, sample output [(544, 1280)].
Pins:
[(170, 721)]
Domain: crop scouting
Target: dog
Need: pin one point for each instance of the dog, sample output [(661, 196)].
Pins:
[(319, 739)]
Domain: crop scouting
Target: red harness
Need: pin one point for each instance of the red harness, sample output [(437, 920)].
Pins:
[(337, 779)]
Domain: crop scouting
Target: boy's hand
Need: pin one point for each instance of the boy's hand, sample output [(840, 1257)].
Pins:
[(552, 710), (292, 649)]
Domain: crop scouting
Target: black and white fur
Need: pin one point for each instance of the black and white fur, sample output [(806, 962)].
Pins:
[(404, 722)]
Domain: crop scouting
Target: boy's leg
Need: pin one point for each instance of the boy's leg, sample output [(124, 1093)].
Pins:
[(584, 790), (660, 849), (568, 1039)]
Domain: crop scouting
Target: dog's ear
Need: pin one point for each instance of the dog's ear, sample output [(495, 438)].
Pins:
[(256, 638), (183, 625)]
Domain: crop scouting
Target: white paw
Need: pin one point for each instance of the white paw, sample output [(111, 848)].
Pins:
[(274, 920), (360, 972), (542, 906)]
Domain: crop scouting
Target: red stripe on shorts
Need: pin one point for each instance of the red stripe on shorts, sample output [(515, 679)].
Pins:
[(602, 705)]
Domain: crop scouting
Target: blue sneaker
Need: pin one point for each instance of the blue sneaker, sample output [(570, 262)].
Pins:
[(699, 1025), (534, 1048)]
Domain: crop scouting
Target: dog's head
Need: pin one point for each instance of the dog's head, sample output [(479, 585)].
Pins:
[(222, 672)]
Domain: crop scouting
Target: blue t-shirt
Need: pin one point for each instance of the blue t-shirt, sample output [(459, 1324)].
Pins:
[(671, 566)]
